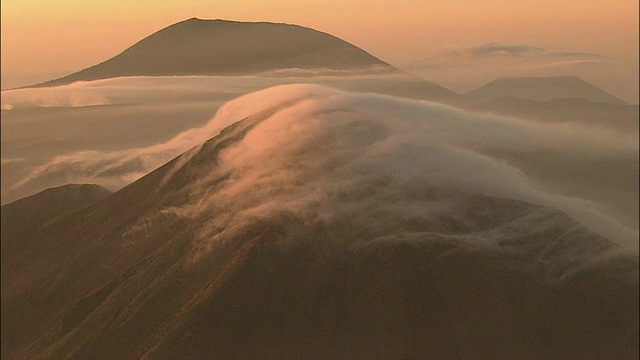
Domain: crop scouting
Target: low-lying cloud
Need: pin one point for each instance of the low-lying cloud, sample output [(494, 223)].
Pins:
[(464, 68), (318, 156), (494, 49), (318, 142), (125, 90), (52, 98), (518, 56), (54, 136)]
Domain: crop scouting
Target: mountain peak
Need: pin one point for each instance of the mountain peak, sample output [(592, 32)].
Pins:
[(542, 89), (224, 47)]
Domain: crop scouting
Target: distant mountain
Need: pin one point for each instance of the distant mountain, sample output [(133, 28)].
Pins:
[(576, 110), (161, 270), (541, 89), (222, 47)]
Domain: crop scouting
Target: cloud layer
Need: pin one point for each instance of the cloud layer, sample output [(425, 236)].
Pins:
[(309, 129), (456, 56), (464, 68), (494, 49), (318, 156), (51, 127)]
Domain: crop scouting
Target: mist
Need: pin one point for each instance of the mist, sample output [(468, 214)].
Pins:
[(325, 152), (113, 120), (464, 68), (580, 169)]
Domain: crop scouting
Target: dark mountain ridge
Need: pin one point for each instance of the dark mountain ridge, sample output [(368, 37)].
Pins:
[(223, 47), (542, 89), (22, 217), (124, 278)]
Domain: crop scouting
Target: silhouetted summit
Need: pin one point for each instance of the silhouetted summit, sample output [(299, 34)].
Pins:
[(541, 88), (222, 47)]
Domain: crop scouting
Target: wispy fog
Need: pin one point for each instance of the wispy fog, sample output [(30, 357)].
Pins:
[(464, 68), (327, 153), (315, 145), (114, 121)]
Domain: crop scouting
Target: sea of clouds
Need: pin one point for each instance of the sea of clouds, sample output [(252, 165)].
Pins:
[(316, 142)]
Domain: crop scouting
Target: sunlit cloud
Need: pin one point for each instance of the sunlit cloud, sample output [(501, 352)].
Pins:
[(313, 155), (464, 68), (574, 63), (499, 50), (520, 55), (384, 135), (491, 49)]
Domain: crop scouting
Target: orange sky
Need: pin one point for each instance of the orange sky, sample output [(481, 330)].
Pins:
[(46, 39)]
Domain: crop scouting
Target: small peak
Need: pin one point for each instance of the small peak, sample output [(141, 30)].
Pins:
[(193, 20)]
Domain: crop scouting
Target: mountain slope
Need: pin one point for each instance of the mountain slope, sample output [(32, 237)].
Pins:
[(541, 88), (24, 216), (221, 47), (58, 201), (303, 231)]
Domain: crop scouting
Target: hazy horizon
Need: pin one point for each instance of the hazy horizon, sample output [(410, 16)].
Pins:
[(459, 46)]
